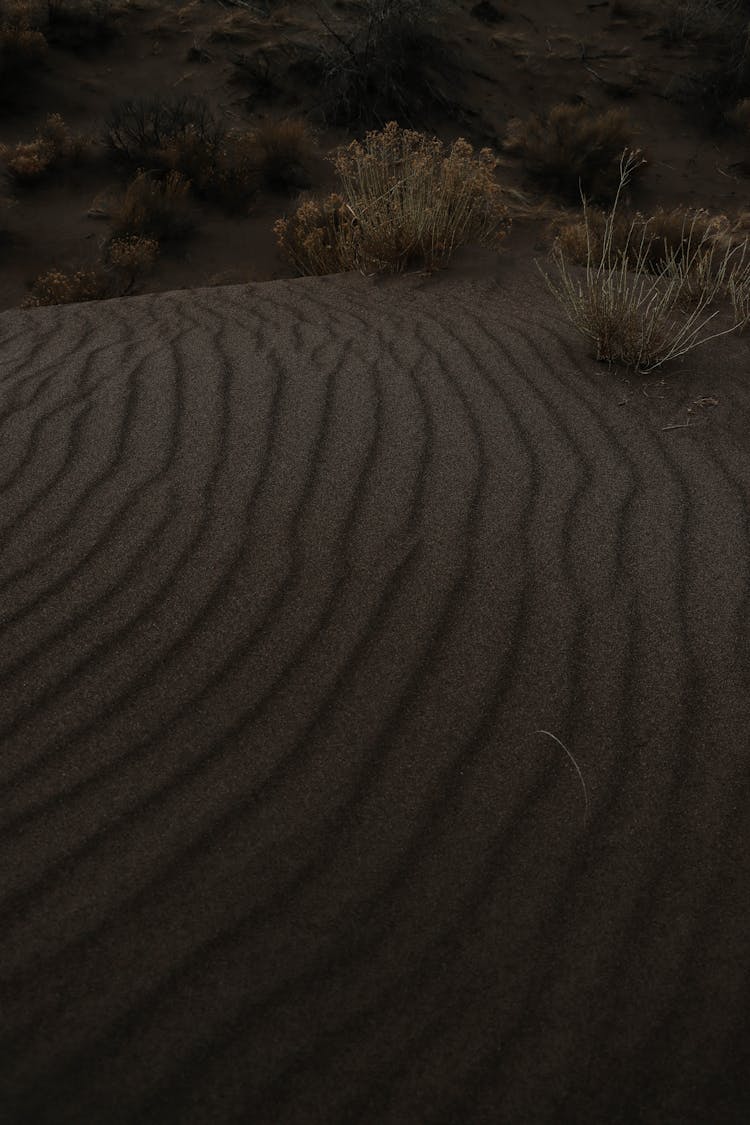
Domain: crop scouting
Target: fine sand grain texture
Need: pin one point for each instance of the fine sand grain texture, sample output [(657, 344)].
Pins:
[(296, 582)]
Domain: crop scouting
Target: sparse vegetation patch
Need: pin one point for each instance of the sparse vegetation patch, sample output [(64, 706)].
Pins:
[(642, 311)]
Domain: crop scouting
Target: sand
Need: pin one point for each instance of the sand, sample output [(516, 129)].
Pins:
[(298, 581)]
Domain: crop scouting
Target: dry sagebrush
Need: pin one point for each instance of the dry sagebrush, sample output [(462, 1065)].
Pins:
[(124, 260), (403, 200), (54, 145), (373, 65), (641, 311), (153, 207), (22, 45), (284, 152), (657, 237), (61, 287), (574, 150)]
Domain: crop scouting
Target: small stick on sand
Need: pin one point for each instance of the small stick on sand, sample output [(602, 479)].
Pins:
[(575, 767)]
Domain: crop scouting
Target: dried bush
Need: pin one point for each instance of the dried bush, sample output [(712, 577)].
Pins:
[(132, 256), (154, 207), (22, 47), (642, 316), (700, 19), (377, 69), (320, 237), (284, 151), (403, 200), (235, 177), (58, 287), (267, 69), (723, 75), (276, 154), (574, 150), (656, 238), (54, 145), (147, 132)]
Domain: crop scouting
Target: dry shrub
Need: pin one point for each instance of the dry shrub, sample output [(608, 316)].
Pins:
[(320, 237), (656, 238), (235, 177), (642, 314), (700, 19), (403, 200), (22, 46), (132, 256), (574, 150), (582, 237), (144, 132), (155, 208), (284, 152), (722, 75), (53, 146), (188, 154), (376, 67), (58, 287)]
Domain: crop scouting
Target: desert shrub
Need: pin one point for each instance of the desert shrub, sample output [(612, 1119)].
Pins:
[(723, 75), (155, 207), (700, 19), (143, 132), (403, 200), (132, 256), (267, 69), (54, 145), (80, 23), (22, 47), (58, 287), (574, 150), (656, 237), (639, 316), (276, 154), (377, 68), (283, 153), (320, 237), (234, 178)]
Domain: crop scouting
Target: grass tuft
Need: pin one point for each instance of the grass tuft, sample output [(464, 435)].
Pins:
[(642, 311)]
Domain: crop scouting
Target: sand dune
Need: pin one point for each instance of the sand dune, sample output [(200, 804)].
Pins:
[(291, 578)]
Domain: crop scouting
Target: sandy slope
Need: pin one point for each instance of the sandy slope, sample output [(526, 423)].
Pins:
[(292, 576)]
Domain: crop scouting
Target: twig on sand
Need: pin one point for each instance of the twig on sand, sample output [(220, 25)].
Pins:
[(575, 767)]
